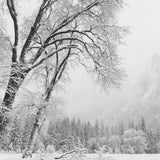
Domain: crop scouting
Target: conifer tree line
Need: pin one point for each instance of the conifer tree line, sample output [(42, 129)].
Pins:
[(67, 134)]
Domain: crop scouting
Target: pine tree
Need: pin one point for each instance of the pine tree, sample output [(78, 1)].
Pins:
[(86, 134), (65, 128), (73, 127), (112, 131), (82, 136), (89, 127), (143, 125), (102, 129), (121, 128), (97, 130), (107, 132), (131, 125), (78, 128)]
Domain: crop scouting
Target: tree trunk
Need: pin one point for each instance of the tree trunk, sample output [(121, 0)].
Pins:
[(32, 139), (17, 76), (34, 133), (38, 122)]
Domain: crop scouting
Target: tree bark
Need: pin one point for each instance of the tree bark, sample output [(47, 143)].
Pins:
[(17, 76), (37, 124), (34, 133)]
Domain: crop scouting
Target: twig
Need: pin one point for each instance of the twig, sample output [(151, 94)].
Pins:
[(63, 155)]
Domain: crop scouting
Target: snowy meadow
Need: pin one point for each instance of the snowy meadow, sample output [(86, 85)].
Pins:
[(87, 157)]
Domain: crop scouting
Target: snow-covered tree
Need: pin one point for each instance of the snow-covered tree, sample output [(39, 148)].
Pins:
[(68, 32), (134, 141), (93, 145), (103, 141), (97, 131)]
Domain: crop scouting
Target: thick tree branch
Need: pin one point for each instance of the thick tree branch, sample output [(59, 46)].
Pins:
[(82, 33), (58, 70), (57, 75), (12, 11), (64, 39), (65, 22), (35, 28), (53, 53)]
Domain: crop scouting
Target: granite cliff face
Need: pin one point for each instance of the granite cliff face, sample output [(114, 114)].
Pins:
[(145, 98)]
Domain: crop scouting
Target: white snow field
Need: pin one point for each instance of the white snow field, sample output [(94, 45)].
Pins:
[(5, 156)]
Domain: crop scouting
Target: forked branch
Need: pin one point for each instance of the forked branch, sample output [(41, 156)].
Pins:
[(63, 24), (45, 4), (53, 53)]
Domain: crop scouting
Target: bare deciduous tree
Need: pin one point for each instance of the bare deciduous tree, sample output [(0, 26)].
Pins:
[(65, 32)]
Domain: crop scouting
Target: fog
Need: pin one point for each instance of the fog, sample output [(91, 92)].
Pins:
[(84, 98)]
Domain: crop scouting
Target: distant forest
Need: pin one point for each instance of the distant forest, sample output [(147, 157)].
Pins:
[(67, 134)]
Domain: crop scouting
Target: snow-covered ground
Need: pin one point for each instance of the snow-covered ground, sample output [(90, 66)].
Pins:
[(125, 157), (4, 156)]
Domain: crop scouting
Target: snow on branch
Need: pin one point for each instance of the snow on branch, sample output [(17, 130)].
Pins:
[(13, 13), (35, 27)]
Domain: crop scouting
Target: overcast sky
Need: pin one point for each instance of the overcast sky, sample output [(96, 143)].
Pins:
[(86, 100)]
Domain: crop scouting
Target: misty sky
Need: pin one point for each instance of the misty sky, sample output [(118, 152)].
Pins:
[(86, 100)]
